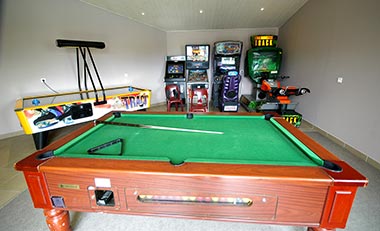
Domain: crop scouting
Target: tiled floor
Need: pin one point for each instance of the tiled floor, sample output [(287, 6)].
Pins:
[(12, 183)]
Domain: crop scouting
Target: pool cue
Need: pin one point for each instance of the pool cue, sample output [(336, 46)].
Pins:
[(159, 127)]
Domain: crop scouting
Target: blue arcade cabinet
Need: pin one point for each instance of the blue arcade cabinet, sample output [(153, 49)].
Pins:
[(226, 77)]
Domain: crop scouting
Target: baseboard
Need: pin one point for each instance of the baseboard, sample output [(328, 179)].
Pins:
[(11, 134), (159, 104), (342, 144)]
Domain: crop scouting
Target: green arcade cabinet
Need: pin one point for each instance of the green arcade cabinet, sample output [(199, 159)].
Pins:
[(262, 65)]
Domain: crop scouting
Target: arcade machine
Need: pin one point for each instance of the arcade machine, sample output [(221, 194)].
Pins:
[(226, 78), (175, 73), (197, 64), (263, 62)]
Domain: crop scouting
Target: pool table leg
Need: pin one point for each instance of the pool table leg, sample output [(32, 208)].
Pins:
[(319, 229), (57, 220)]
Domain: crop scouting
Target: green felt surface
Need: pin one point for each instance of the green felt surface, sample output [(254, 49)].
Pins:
[(245, 140)]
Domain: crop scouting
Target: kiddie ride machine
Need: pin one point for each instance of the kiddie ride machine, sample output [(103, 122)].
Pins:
[(226, 78), (262, 64)]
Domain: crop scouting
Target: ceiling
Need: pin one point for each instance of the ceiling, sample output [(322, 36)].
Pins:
[(177, 15)]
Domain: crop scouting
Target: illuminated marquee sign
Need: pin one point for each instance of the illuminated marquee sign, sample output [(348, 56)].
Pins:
[(264, 41)]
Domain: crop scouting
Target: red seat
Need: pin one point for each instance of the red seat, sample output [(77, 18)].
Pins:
[(198, 100), (173, 95)]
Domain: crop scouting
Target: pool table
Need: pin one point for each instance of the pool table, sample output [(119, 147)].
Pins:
[(240, 167)]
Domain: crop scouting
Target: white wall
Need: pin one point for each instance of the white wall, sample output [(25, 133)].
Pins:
[(28, 31), (176, 41), (327, 39)]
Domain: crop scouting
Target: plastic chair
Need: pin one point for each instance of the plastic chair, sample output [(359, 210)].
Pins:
[(198, 100), (173, 95)]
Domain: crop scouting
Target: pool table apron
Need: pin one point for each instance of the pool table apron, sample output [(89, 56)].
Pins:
[(277, 194)]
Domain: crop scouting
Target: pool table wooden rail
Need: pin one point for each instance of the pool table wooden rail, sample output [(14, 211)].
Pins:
[(290, 195)]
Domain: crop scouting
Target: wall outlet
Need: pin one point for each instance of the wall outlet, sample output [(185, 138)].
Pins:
[(43, 80), (339, 80)]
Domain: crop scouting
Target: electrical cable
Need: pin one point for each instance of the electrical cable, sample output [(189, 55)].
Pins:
[(50, 88)]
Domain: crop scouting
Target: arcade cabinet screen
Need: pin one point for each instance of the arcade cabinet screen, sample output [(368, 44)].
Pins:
[(197, 56), (264, 61), (175, 68), (228, 61)]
